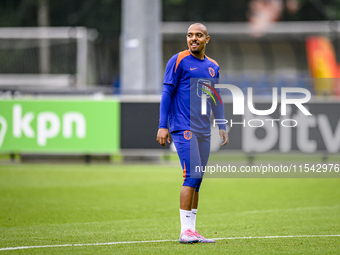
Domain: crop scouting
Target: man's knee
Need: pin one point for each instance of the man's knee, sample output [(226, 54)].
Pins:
[(193, 182)]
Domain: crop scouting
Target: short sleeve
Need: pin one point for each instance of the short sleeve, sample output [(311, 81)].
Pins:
[(171, 76)]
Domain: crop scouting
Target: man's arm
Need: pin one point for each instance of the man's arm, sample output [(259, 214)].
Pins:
[(218, 111), (163, 132)]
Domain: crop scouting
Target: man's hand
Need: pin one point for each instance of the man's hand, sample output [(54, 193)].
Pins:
[(224, 136), (163, 136)]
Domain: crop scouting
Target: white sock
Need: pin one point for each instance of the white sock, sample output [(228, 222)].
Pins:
[(185, 217), (193, 219)]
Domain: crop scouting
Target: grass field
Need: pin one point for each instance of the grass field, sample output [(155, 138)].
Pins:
[(87, 204)]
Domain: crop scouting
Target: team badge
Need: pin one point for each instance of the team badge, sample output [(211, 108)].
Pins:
[(212, 71), (187, 134)]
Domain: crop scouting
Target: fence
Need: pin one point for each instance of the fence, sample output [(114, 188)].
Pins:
[(46, 56)]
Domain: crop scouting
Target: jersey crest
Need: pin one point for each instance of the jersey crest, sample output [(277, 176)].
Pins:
[(212, 72), (187, 134)]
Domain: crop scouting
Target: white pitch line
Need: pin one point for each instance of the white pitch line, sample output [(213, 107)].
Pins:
[(156, 241), (264, 237)]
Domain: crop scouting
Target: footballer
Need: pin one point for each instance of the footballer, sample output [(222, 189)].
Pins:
[(189, 76)]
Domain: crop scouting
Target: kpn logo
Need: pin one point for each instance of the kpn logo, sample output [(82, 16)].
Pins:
[(42, 126)]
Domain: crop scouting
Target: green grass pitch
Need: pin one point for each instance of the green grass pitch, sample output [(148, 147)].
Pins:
[(86, 204)]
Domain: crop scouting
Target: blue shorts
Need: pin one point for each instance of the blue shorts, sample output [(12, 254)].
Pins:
[(193, 150)]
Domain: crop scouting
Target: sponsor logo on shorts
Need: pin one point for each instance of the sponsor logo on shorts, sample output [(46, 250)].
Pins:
[(187, 134)]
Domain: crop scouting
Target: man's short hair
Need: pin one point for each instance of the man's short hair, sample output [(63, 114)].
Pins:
[(205, 30)]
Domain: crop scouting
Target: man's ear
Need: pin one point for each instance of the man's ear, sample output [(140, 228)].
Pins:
[(207, 39)]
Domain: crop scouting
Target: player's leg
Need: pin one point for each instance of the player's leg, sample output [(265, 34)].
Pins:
[(182, 142), (195, 200), (188, 153), (204, 150), (204, 153), (186, 197), (194, 210)]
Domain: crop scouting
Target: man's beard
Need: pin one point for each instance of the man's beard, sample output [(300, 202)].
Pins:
[(195, 51)]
